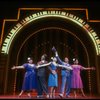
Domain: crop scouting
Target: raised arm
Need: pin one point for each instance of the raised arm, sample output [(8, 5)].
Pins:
[(43, 65), (66, 67), (59, 60), (17, 67)]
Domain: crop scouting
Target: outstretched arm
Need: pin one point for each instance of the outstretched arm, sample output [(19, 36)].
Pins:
[(17, 67), (39, 66), (66, 67), (89, 68)]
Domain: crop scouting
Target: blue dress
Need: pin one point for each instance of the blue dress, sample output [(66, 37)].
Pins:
[(53, 78), (29, 82)]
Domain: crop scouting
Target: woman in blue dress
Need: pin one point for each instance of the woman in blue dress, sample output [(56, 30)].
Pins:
[(29, 82), (53, 77)]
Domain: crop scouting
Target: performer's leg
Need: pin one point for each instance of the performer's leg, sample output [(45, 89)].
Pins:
[(75, 93), (39, 86), (83, 92), (68, 86), (43, 84), (63, 86), (21, 93), (51, 92), (29, 95), (54, 92)]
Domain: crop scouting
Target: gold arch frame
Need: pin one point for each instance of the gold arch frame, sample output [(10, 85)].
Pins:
[(96, 42)]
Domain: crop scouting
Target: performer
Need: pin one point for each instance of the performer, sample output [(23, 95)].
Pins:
[(41, 82), (76, 78), (29, 82), (53, 77), (66, 75)]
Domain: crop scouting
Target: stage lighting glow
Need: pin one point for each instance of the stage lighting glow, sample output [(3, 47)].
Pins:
[(43, 14)]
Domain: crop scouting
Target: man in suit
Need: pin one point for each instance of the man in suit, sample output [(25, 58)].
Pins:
[(41, 82)]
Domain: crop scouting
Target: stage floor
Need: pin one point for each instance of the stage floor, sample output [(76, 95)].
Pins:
[(24, 96)]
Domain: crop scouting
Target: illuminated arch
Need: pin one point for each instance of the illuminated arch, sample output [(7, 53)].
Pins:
[(43, 14)]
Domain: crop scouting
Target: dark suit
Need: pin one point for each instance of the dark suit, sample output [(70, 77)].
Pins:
[(41, 82)]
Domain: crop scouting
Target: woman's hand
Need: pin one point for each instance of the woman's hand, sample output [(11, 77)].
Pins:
[(37, 66), (93, 68), (13, 68), (53, 72)]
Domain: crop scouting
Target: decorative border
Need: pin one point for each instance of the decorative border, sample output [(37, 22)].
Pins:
[(49, 12)]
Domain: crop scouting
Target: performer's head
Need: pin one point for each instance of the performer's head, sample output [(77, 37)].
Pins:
[(54, 59), (43, 57), (29, 59), (75, 61), (66, 60)]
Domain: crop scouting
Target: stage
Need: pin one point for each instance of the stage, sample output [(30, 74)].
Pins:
[(34, 96)]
